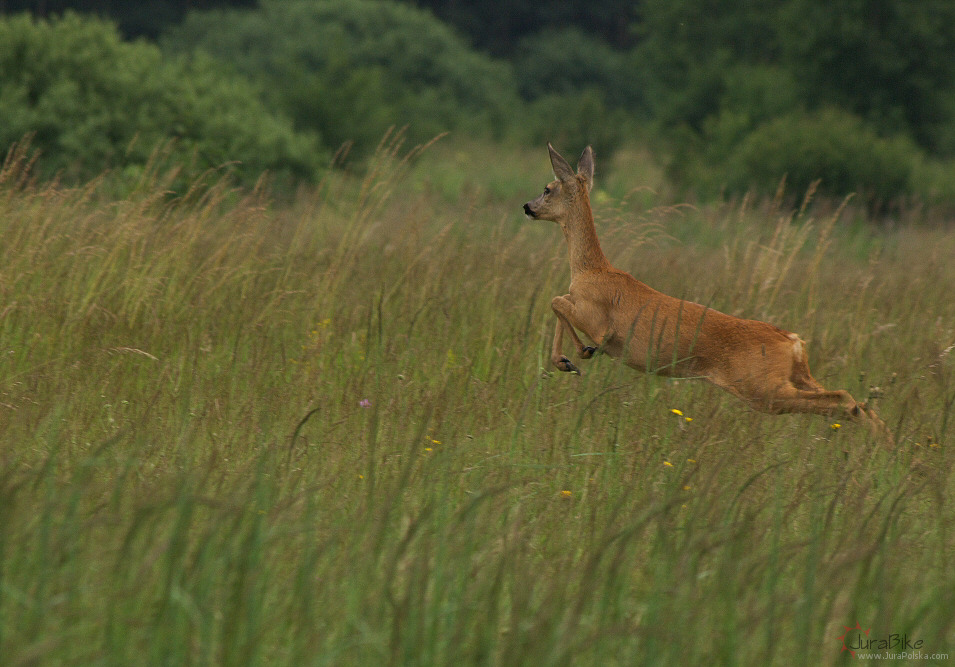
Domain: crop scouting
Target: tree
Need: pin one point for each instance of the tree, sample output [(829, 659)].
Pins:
[(689, 48), (566, 61), (727, 82), (499, 25), (351, 68), (143, 18), (830, 145), (93, 102), (891, 62)]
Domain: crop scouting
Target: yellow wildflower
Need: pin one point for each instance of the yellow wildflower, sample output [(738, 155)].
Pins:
[(676, 412), (565, 494)]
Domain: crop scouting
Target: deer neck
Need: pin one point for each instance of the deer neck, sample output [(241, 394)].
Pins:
[(582, 243)]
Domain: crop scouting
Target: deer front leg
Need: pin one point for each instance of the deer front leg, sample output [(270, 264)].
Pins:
[(556, 354), (563, 308)]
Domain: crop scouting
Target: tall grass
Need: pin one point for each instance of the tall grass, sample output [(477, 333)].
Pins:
[(239, 432)]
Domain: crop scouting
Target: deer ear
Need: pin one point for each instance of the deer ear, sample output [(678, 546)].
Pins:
[(562, 169), (585, 167)]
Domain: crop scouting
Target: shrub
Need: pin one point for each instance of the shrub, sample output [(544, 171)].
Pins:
[(831, 145), (351, 68), (568, 61), (93, 102), (576, 120)]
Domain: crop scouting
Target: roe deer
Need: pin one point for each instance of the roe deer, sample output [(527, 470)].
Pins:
[(765, 366)]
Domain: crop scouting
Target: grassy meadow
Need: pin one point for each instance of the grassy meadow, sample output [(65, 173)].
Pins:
[(242, 430)]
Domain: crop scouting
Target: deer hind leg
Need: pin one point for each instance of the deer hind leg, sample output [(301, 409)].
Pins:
[(833, 404), (790, 398), (797, 391), (802, 379)]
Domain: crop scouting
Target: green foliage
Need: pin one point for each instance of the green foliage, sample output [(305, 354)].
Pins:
[(576, 120), (753, 96), (710, 86), (892, 62), (142, 18), (717, 72), (92, 102), (831, 146), (499, 25), (579, 91), (568, 61), (351, 68), (688, 49)]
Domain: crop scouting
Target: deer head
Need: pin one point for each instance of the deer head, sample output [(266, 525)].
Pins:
[(568, 193)]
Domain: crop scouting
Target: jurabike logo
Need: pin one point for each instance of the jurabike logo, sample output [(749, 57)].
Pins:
[(858, 639)]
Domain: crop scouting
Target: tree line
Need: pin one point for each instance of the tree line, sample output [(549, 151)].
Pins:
[(859, 93)]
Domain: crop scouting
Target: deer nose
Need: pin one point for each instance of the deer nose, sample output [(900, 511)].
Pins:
[(527, 210)]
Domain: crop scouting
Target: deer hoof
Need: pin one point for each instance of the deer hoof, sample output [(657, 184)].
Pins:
[(588, 352), (566, 365)]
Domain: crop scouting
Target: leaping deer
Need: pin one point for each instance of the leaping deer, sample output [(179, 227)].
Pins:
[(765, 366)]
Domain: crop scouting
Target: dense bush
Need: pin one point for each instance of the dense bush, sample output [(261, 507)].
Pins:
[(352, 68), (891, 63), (831, 145), (93, 102), (574, 121), (728, 95), (567, 61), (746, 92)]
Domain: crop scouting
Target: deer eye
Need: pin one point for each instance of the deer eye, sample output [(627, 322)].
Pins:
[(546, 191)]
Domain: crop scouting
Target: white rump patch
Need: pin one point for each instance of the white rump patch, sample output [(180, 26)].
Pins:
[(798, 351)]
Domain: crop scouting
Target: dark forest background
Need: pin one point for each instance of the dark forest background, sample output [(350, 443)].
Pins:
[(731, 96)]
